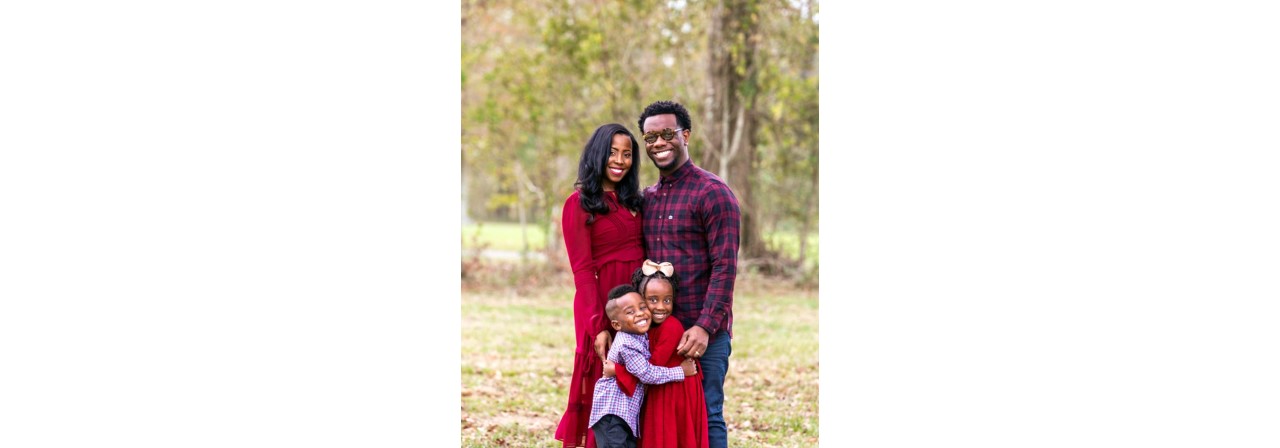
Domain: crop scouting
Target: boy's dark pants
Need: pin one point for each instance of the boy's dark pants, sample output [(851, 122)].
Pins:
[(612, 432)]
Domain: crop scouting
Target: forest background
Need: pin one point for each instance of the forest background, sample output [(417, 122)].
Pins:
[(537, 78)]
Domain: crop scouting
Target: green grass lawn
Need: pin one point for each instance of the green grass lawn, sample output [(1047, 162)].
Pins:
[(517, 353), (502, 236), (507, 236)]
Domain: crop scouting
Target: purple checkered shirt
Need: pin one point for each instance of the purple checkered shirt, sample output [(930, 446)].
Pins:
[(631, 350), (691, 220)]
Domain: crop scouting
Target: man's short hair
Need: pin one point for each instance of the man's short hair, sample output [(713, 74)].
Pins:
[(611, 307), (667, 107)]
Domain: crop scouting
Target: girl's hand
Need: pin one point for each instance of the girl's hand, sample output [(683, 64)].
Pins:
[(690, 367), (608, 368)]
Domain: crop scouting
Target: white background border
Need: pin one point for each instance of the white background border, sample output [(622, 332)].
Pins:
[(1050, 224), (1044, 225)]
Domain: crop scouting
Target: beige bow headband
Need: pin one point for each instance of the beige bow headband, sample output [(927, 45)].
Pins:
[(650, 267)]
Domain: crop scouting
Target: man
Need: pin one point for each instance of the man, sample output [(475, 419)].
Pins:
[(691, 219)]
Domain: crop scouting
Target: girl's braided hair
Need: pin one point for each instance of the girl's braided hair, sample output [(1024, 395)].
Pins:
[(640, 281)]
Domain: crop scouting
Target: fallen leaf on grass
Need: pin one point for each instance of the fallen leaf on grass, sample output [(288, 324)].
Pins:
[(480, 390)]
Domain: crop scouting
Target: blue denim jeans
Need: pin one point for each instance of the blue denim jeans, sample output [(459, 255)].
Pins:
[(715, 365)]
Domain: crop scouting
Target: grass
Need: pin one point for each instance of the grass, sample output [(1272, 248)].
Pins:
[(502, 236), (517, 353), (507, 236)]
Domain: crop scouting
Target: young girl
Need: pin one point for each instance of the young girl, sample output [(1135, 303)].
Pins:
[(674, 414)]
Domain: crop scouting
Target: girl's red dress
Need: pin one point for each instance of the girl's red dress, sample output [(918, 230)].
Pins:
[(674, 415), (603, 255)]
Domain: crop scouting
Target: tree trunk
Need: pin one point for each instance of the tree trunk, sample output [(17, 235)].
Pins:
[(522, 205), (811, 200), (466, 186), (806, 224), (728, 130)]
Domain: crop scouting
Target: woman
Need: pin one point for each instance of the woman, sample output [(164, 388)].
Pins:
[(601, 226)]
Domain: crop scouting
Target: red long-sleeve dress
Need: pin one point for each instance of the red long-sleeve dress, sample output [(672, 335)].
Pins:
[(603, 255), (674, 415)]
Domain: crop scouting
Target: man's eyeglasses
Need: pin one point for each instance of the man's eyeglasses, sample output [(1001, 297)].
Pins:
[(666, 134)]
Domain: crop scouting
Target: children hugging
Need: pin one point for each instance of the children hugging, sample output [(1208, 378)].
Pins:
[(672, 414), (615, 407)]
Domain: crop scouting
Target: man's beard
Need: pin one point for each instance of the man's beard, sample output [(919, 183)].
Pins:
[(675, 158)]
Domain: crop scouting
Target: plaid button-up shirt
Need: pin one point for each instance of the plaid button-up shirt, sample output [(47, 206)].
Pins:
[(631, 350), (691, 219)]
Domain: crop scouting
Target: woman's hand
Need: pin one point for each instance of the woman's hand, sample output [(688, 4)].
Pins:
[(603, 341), (608, 369)]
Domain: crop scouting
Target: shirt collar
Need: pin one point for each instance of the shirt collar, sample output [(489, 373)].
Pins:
[(678, 173)]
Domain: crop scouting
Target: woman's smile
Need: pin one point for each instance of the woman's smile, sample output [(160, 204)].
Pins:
[(619, 161)]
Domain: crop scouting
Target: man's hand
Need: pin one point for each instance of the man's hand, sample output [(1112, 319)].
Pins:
[(690, 367), (694, 342), (603, 341), (608, 369)]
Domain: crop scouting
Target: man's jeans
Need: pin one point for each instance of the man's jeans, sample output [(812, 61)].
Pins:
[(715, 365)]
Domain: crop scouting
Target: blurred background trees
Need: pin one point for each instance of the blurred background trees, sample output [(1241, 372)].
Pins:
[(538, 76)]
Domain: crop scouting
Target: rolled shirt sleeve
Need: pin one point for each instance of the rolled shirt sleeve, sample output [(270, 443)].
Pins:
[(638, 365), (721, 219)]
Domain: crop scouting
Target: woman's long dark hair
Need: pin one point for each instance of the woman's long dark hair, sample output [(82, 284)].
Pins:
[(591, 167)]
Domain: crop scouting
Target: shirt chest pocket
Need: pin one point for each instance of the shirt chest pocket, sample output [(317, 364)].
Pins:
[(683, 222)]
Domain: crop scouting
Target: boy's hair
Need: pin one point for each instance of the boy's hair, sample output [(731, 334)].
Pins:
[(611, 307), (640, 281)]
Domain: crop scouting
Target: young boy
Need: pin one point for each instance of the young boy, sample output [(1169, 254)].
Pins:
[(613, 413)]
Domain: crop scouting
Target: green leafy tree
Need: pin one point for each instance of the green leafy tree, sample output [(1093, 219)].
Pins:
[(539, 75)]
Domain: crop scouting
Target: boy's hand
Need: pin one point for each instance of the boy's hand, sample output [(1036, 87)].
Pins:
[(608, 368), (690, 367)]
